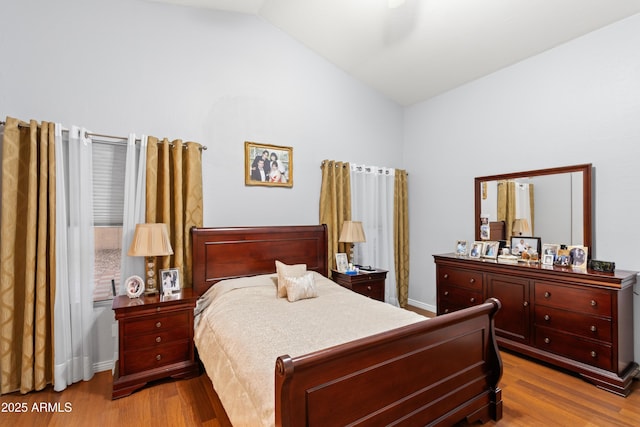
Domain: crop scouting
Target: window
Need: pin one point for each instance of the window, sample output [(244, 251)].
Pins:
[(108, 207)]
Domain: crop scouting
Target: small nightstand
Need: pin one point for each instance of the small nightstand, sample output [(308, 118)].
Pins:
[(370, 284), (156, 340)]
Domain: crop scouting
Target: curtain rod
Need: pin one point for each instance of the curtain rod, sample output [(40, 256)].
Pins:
[(99, 135)]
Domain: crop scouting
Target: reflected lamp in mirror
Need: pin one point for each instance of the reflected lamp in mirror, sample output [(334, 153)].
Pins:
[(521, 227), (150, 240), (352, 232)]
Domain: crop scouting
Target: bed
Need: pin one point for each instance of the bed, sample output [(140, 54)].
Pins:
[(411, 371)]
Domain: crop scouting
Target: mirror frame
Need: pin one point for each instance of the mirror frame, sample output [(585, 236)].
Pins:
[(586, 170)]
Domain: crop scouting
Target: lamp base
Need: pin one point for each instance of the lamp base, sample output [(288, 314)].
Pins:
[(150, 286)]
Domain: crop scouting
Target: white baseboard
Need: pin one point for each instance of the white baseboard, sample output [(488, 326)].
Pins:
[(105, 365), (419, 304)]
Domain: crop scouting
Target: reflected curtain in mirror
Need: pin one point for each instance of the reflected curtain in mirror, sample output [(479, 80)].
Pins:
[(27, 251), (515, 201)]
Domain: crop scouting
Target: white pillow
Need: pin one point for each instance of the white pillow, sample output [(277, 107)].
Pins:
[(285, 270), (300, 287)]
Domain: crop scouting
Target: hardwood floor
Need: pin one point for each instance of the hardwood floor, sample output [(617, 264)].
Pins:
[(533, 395)]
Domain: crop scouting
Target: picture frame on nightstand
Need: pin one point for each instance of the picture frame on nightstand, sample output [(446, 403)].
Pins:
[(170, 279), (342, 264)]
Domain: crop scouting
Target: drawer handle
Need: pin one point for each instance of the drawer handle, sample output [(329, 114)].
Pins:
[(593, 303), (593, 328), (472, 280), (157, 309), (547, 295), (446, 310), (446, 276), (158, 339), (547, 317), (472, 299), (158, 324), (446, 293), (158, 357), (368, 288), (525, 304), (547, 340), (594, 354)]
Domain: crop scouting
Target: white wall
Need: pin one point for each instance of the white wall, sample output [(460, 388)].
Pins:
[(578, 103), (123, 66)]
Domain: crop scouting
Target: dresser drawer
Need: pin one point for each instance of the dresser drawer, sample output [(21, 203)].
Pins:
[(451, 298), (162, 355), (576, 348), (597, 328), (145, 324), (464, 278), (583, 300), (159, 337)]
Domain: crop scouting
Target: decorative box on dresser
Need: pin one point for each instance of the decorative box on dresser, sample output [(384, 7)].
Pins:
[(579, 320), (155, 340), (369, 284)]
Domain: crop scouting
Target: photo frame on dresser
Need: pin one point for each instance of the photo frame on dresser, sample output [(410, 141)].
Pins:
[(491, 249), (461, 248), (520, 244), (477, 249), (578, 257)]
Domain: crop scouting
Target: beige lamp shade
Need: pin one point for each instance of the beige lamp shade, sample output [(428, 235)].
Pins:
[(352, 232), (150, 240), (521, 227)]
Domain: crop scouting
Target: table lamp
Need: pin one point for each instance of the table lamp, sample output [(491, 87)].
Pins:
[(352, 232), (520, 227), (150, 240)]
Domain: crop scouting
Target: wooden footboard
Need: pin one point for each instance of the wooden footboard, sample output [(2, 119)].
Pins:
[(437, 372)]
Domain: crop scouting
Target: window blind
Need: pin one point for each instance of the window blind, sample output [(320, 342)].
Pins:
[(108, 183)]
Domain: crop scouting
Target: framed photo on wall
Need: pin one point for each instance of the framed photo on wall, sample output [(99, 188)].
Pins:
[(268, 165)]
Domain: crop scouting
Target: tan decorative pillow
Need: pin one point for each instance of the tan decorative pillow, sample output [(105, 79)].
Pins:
[(290, 271), (301, 287)]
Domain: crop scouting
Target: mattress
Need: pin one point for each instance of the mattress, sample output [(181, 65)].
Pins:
[(242, 328)]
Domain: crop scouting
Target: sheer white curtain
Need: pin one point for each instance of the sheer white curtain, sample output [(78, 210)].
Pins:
[(372, 203), (134, 205), (73, 307), (523, 202)]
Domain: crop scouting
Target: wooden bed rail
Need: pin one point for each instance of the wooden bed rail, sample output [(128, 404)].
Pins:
[(435, 372)]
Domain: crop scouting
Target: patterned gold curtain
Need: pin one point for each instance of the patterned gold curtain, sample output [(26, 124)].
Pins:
[(174, 197), (401, 235), (335, 204), (27, 256)]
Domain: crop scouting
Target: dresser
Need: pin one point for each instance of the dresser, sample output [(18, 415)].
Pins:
[(579, 320), (369, 284), (155, 340)]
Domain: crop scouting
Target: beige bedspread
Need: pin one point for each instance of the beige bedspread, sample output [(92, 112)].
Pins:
[(242, 327)]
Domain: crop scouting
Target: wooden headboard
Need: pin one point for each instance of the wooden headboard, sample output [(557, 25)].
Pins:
[(225, 253)]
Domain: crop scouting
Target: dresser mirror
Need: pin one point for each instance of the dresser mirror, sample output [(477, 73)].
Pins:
[(558, 204)]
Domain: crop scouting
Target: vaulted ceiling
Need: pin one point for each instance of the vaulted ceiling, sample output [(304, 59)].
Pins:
[(411, 50)]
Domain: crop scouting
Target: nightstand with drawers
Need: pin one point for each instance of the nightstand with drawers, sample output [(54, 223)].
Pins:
[(155, 340), (369, 284)]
